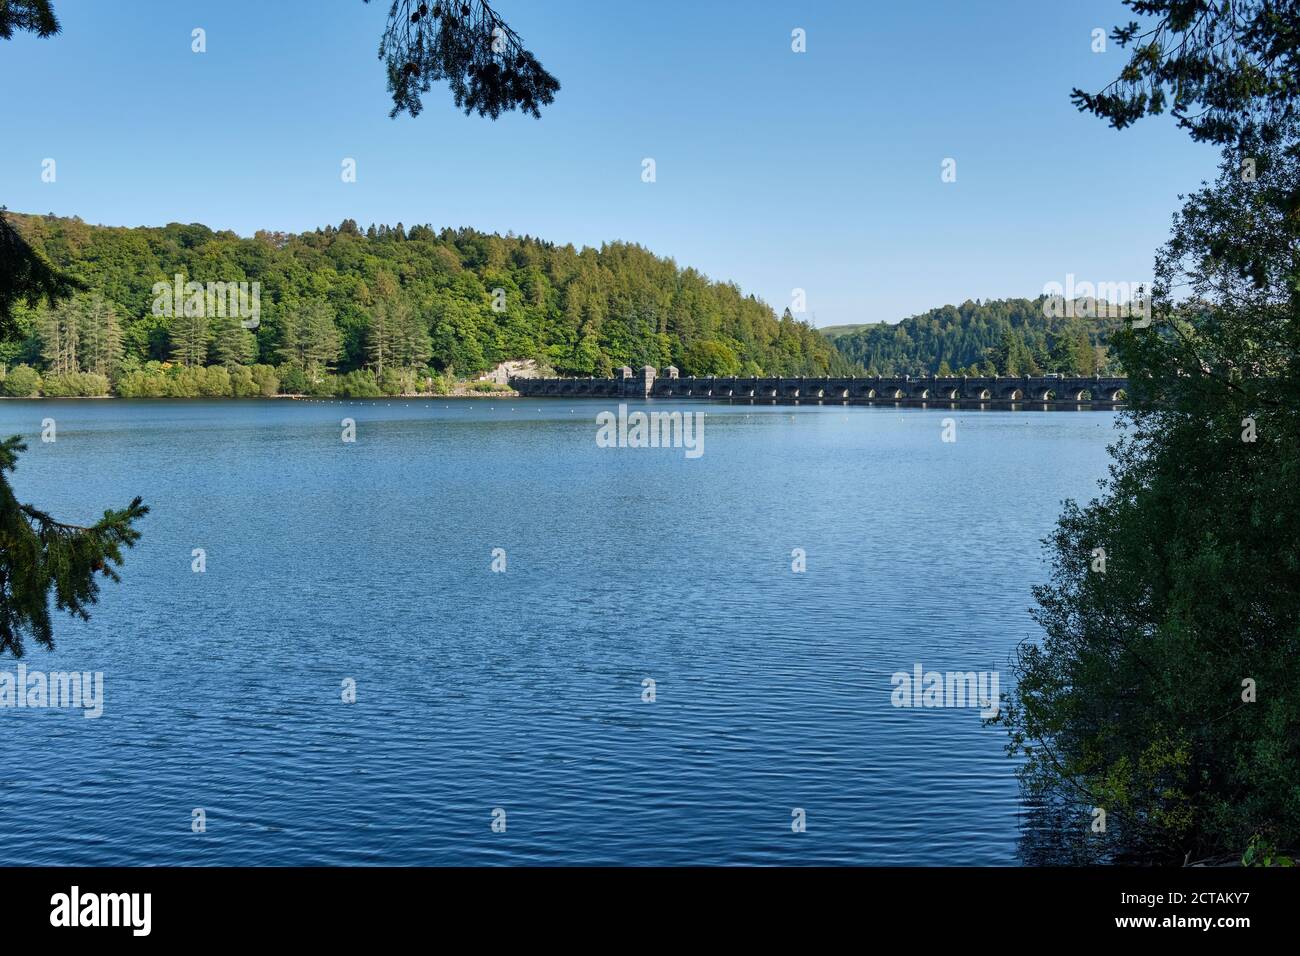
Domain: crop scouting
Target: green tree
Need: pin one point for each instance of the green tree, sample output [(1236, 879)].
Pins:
[(310, 339), (190, 336), (579, 311), (1012, 357), (59, 331), (1137, 699), (1147, 695), (25, 275), (1065, 357), (387, 317), (232, 344), (39, 555), (100, 336), (22, 381), (710, 357), (412, 345), (1227, 71), (966, 335)]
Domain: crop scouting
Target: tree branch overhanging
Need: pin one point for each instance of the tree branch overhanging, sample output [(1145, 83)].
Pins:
[(467, 44)]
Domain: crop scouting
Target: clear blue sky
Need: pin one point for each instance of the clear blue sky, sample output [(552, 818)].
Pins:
[(776, 170)]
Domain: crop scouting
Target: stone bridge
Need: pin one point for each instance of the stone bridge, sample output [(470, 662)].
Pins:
[(648, 383)]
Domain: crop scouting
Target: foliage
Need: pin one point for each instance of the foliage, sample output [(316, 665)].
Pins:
[(39, 555), (309, 339), (340, 299), (36, 16), (1164, 686), (710, 357), (164, 380), (998, 337), (358, 384), (79, 333), (465, 43), (1262, 853), (1164, 689), (23, 381), (1227, 71), (25, 276), (74, 385)]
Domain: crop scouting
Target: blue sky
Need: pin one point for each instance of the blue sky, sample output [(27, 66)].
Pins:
[(776, 170)]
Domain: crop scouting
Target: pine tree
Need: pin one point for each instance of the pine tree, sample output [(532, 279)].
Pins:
[(379, 335), (232, 344), (39, 554), (1065, 354), (386, 317), (322, 344), (100, 336), (310, 339), (189, 335), (58, 329), (36, 16), (412, 346)]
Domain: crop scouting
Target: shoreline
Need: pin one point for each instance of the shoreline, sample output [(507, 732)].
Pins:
[(247, 398), (961, 404)]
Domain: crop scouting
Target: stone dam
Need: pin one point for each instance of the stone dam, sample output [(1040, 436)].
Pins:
[(897, 389)]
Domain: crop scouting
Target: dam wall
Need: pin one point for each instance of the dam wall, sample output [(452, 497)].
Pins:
[(648, 382)]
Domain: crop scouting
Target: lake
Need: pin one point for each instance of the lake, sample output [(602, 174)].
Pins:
[(330, 564)]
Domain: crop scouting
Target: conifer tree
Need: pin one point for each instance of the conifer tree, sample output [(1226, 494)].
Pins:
[(190, 336), (40, 555), (309, 338), (468, 45), (100, 336), (232, 344), (59, 331)]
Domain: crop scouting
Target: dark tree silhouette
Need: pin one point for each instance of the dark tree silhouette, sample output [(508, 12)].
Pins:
[(25, 276), (39, 555), (1225, 69), (464, 42), (1140, 699), (467, 44), (34, 15)]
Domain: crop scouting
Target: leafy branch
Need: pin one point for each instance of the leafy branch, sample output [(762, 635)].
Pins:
[(468, 45), (1225, 69), (39, 554)]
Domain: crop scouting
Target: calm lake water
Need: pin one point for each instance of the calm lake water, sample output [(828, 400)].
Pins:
[(522, 690)]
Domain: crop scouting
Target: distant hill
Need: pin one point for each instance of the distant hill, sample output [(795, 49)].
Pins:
[(835, 331), (1001, 336), (419, 298)]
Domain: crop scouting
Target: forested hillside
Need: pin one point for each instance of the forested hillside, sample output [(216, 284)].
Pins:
[(351, 311), (1002, 337)]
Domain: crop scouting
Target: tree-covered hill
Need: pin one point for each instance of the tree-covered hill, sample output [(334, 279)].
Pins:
[(833, 332), (395, 304), (1003, 336)]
